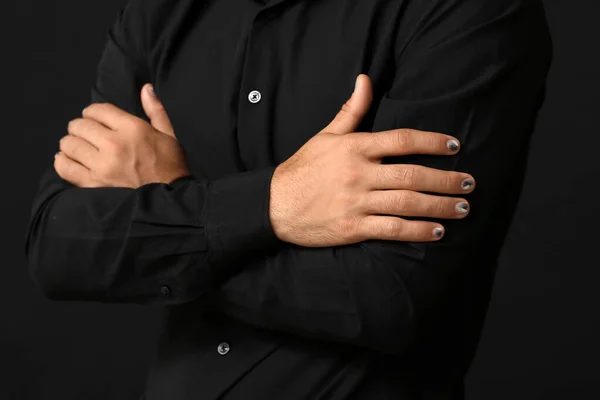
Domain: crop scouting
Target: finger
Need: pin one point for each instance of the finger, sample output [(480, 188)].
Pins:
[(80, 150), (408, 203), (110, 116), (421, 178), (90, 130), (155, 111), (394, 228), (71, 171), (353, 111), (396, 142)]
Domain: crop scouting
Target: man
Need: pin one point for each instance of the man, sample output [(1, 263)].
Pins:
[(298, 257)]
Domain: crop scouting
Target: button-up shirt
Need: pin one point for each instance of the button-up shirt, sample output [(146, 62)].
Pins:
[(245, 84)]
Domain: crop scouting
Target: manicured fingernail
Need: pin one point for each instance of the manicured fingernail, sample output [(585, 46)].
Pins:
[(467, 183), (452, 144), (462, 207), (151, 90), (438, 232), (82, 111)]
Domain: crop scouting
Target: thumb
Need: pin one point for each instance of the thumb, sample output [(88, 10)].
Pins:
[(156, 111), (354, 110)]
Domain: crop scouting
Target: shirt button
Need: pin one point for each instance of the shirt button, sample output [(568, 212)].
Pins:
[(165, 291), (223, 348), (254, 96)]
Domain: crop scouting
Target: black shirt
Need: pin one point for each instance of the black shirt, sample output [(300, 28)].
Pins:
[(246, 84)]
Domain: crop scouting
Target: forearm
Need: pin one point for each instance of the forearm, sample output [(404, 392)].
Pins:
[(125, 245), (382, 294), (122, 244), (353, 294)]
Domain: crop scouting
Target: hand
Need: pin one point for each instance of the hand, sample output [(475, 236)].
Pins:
[(332, 189), (110, 147)]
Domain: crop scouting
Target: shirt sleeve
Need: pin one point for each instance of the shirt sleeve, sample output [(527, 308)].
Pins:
[(153, 243), (472, 69)]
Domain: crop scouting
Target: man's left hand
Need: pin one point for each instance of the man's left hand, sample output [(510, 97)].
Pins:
[(110, 147)]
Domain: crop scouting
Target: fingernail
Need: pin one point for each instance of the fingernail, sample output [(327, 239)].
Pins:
[(462, 207), (151, 90), (356, 83), (452, 144), (438, 232), (467, 183)]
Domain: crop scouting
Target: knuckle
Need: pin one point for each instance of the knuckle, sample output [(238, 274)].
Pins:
[(348, 226), (62, 167), (63, 143), (393, 227), (350, 143), (362, 230), (102, 106), (438, 206), (449, 181), (352, 203), (93, 108), (403, 201), (77, 125), (113, 146), (347, 109), (137, 128), (350, 175), (404, 138), (407, 176), (378, 140)]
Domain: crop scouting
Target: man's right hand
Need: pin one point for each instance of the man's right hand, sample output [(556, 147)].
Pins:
[(330, 192)]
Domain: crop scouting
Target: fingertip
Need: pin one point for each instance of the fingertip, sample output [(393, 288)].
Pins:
[(357, 83), (453, 145), (149, 88)]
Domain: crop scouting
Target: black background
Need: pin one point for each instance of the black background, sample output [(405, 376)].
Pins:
[(541, 336)]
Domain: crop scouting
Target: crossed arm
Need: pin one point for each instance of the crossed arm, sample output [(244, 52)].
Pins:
[(483, 85)]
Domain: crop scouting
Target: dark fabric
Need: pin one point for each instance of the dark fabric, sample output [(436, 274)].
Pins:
[(372, 320)]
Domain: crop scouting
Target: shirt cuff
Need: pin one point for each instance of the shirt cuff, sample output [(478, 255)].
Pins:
[(237, 217), (181, 180)]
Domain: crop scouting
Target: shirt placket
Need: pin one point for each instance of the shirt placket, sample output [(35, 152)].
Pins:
[(257, 101), (233, 351)]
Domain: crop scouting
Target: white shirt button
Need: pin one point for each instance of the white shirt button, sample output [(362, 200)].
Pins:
[(223, 348), (254, 96)]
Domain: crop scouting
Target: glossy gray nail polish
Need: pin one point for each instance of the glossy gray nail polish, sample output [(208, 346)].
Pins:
[(452, 144), (467, 183), (438, 231), (462, 207)]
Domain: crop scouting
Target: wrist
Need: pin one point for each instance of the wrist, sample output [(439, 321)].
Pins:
[(236, 218), (277, 216)]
